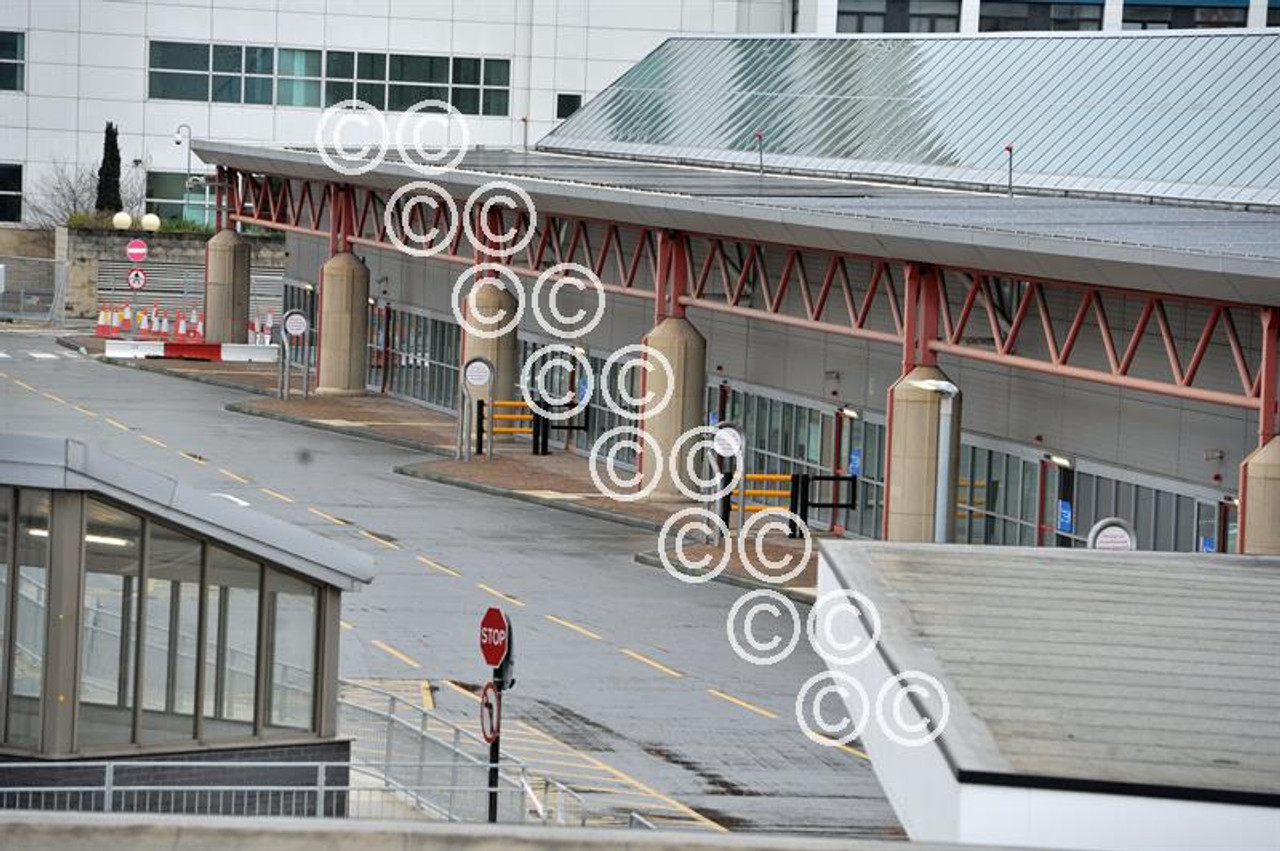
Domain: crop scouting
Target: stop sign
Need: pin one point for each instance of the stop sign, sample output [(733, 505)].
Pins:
[(136, 250), (495, 635)]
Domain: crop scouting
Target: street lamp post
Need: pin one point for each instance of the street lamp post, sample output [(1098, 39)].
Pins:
[(178, 137)]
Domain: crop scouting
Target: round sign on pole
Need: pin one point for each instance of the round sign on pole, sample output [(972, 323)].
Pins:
[(137, 278), (1112, 533), (136, 250), (495, 634), (727, 442), (478, 372), (490, 712), (295, 323)]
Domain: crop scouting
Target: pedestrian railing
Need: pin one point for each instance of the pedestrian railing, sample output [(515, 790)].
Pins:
[(33, 289)]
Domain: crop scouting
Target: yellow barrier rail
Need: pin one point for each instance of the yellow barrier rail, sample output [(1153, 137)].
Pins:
[(508, 403), (761, 492), (509, 417), (512, 430), (767, 477)]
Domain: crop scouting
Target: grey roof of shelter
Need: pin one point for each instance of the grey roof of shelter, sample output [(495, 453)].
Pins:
[(1089, 669), (1191, 116), (65, 464), (1226, 254)]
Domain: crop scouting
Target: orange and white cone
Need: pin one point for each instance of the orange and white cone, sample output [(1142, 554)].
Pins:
[(115, 323), (165, 328), (103, 327), (182, 324)]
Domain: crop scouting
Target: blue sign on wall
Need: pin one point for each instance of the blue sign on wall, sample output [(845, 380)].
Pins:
[(1066, 519), (855, 462), (713, 418), (584, 391), (1208, 545)]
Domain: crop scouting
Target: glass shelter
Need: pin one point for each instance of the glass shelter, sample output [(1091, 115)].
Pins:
[(138, 615)]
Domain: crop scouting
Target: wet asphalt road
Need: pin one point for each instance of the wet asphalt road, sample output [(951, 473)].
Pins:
[(712, 732)]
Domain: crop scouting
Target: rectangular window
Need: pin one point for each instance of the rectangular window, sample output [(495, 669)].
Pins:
[(934, 16), (13, 53), (180, 70), (168, 198), (497, 82), (861, 16), (10, 192), (298, 77), (108, 638), (567, 105), (170, 611), (31, 589), (231, 645), (291, 622)]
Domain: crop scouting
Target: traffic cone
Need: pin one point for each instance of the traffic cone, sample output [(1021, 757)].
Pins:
[(115, 323), (200, 328), (191, 324), (165, 329), (103, 328), (144, 325), (126, 319), (182, 324)]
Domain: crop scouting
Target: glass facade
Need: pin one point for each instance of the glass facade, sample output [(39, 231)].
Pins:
[(1142, 15), (169, 198), (287, 76), (996, 16), (943, 108), (27, 603), (896, 16), (414, 355)]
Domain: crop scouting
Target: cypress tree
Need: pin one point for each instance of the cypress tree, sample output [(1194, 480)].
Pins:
[(108, 200)]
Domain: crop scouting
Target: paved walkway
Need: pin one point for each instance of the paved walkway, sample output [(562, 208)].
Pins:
[(561, 480)]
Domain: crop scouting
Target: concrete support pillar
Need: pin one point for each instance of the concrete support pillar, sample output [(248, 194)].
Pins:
[(1257, 15), (969, 16), (686, 349), (490, 307), (919, 440), (1260, 500), (1113, 15), (226, 288), (343, 356)]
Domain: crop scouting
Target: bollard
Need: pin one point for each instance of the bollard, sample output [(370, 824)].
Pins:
[(480, 426)]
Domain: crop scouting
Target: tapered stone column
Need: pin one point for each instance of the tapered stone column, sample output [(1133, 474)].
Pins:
[(489, 307), (1261, 498), (686, 349), (226, 288), (343, 356), (924, 443)]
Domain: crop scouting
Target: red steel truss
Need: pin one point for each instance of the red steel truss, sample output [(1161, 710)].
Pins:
[(925, 309)]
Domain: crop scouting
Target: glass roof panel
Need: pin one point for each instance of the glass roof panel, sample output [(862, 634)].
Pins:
[(1192, 112)]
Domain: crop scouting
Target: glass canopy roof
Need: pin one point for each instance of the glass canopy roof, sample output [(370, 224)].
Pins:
[(1193, 116)]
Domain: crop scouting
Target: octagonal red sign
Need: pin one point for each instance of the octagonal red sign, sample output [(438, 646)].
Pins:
[(495, 635)]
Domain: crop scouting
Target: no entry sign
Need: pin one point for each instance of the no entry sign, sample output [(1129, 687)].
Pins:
[(136, 250), (495, 637)]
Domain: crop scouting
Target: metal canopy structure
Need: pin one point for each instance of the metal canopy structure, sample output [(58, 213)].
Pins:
[(1006, 297), (1120, 114)]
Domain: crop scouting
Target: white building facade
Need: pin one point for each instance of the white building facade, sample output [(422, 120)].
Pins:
[(264, 70)]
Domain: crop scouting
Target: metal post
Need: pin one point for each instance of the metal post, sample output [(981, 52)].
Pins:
[(306, 364), (453, 770), (495, 752), (422, 754), (1008, 149), (479, 426), (386, 747), (942, 499), (489, 427), (284, 366), (320, 792), (108, 786)]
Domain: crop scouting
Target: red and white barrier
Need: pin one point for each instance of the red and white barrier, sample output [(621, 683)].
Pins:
[(231, 352)]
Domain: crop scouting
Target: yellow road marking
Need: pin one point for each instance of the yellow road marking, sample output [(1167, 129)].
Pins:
[(88, 413), (462, 691), (750, 707), (116, 424), (495, 592), (335, 520), (387, 648), (653, 663), (276, 495), (54, 398), (25, 385), (345, 625), (372, 537), (437, 566), (149, 439), (692, 813), (234, 476), (193, 458), (428, 699), (573, 626), (847, 748)]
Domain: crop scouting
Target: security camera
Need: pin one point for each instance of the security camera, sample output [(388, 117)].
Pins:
[(195, 182), (177, 137)]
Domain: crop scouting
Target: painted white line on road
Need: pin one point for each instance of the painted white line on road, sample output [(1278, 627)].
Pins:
[(154, 441), (52, 398), (5, 356), (43, 355), (243, 503), (88, 413), (116, 424)]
